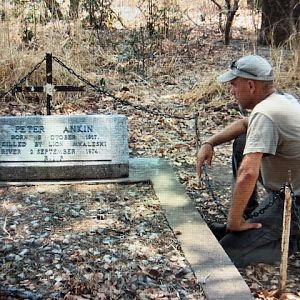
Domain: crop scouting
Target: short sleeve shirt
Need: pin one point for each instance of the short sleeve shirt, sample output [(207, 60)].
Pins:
[(274, 129)]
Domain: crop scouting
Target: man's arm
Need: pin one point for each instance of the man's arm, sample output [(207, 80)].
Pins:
[(231, 132), (247, 176)]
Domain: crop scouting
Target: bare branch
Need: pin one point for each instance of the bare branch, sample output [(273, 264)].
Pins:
[(4, 227), (217, 4)]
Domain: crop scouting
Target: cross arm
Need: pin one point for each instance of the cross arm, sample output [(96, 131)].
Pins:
[(41, 89)]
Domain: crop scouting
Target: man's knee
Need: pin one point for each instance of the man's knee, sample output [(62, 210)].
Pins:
[(251, 247)]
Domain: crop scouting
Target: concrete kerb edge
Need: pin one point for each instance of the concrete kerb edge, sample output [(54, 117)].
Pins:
[(213, 269)]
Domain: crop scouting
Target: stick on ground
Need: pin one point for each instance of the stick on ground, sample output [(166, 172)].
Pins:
[(285, 240)]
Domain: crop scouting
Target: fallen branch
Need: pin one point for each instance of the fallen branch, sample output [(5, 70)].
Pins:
[(4, 227)]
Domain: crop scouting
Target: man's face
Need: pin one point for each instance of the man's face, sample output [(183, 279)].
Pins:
[(240, 88)]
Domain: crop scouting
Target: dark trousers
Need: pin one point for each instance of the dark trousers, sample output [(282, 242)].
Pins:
[(237, 157), (256, 245)]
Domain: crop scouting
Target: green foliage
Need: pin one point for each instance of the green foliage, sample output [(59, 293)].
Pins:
[(30, 12), (100, 14), (27, 35), (29, 15), (163, 18), (136, 50), (101, 83), (255, 4)]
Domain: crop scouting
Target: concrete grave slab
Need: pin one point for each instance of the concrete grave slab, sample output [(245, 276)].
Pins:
[(218, 276), (63, 147), (215, 272)]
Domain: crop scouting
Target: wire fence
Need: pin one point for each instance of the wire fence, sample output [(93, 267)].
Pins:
[(13, 88)]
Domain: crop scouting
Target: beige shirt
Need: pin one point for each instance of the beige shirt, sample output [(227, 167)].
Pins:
[(274, 129)]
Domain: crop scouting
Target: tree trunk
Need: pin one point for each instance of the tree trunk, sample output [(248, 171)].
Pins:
[(277, 22), (3, 10), (254, 4), (296, 15), (54, 9), (74, 8), (221, 29), (150, 21), (229, 19)]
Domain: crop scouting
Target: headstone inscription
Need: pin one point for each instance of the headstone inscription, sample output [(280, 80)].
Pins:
[(59, 147)]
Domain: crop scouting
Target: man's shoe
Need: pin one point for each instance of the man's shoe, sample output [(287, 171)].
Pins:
[(219, 230)]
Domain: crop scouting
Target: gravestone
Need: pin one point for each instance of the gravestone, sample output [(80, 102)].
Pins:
[(63, 147)]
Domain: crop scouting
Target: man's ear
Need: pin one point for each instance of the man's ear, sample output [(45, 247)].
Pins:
[(251, 86)]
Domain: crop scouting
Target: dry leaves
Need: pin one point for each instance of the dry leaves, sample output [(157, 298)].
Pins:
[(263, 280), (90, 242)]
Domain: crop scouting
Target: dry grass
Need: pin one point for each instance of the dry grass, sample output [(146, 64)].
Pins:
[(97, 54), (208, 90), (286, 63)]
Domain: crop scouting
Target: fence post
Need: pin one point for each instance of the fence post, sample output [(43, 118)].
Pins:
[(49, 81)]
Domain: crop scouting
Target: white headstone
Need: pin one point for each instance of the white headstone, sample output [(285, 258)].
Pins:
[(63, 147)]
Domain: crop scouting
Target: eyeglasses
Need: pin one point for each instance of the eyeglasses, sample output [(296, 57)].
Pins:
[(234, 66)]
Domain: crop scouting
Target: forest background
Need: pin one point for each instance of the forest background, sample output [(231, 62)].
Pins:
[(104, 40), (139, 33)]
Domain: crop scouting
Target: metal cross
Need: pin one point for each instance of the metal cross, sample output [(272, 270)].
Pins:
[(49, 88)]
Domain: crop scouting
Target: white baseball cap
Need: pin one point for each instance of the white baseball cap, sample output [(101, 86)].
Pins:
[(251, 66)]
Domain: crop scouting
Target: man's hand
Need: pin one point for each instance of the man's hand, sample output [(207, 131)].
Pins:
[(205, 154), (241, 225)]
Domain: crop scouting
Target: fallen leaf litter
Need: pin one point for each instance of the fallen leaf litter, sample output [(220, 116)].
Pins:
[(90, 242)]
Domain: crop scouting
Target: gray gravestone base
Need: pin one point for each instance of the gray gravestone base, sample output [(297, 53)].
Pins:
[(61, 171)]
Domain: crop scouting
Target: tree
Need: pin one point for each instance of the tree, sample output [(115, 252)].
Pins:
[(74, 7), (254, 4), (296, 15), (54, 9), (2, 11), (231, 10), (219, 7), (277, 24)]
